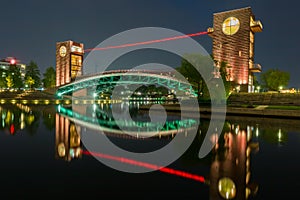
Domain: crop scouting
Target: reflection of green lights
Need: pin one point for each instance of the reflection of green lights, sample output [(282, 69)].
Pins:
[(226, 188), (131, 125)]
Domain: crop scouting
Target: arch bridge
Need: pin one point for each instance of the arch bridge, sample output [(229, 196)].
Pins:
[(106, 81)]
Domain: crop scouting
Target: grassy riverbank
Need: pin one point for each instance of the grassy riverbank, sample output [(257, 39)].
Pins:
[(27, 95)]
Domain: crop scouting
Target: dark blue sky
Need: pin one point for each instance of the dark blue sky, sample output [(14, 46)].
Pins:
[(30, 29)]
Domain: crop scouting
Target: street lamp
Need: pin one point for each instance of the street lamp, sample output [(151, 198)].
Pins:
[(258, 88)]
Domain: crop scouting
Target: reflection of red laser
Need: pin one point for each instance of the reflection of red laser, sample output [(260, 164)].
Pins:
[(147, 165), (148, 42), (12, 129)]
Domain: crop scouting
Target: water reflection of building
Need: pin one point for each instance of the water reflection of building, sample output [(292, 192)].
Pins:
[(15, 117), (67, 139), (230, 168)]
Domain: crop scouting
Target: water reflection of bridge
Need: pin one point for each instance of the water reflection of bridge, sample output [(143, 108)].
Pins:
[(103, 121)]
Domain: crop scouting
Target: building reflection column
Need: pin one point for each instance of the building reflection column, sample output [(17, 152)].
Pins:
[(231, 165), (67, 139)]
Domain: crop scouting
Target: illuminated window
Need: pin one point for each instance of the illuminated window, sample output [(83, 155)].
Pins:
[(73, 74), (76, 60), (76, 64), (251, 37), (230, 26), (76, 49), (251, 50), (250, 80)]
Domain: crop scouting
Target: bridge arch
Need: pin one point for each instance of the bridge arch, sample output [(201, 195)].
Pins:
[(109, 79)]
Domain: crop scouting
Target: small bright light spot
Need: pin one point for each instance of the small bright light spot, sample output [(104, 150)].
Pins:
[(279, 135), (257, 132), (12, 61), (226, 188)]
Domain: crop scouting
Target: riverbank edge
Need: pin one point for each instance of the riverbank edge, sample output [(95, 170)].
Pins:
[(237, 111)]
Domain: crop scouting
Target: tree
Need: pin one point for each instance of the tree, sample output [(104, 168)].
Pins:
[(191, 65), (206, 66), (15, 74), (33, 71), (29, 81), (224, 75), (272, 79), (49, 77), (9, 81)]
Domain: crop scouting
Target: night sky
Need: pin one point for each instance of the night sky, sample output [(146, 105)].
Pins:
[(30, 29)]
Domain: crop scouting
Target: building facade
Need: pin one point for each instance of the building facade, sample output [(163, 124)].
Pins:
[(9, 61), (233, 34), (69, 59)]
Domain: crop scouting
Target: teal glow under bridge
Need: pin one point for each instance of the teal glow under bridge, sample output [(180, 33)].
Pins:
[(138, 129), (106, 81)]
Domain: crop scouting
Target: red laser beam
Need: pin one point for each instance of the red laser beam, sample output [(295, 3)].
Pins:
[(147, 165), (147, 42)]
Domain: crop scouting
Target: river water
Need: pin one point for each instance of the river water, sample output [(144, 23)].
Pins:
[(43, 153)]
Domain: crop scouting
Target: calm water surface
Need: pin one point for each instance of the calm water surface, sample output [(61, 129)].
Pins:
[(41, 153)]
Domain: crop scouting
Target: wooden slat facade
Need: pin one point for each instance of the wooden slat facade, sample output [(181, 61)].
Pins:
[(236, 50), (63, 63)]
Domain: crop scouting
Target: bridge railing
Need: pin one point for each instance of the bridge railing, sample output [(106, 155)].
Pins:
[(157, 72)]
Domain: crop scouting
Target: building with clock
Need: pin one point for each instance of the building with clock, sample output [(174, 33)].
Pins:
[(69, 60), (233, 34)]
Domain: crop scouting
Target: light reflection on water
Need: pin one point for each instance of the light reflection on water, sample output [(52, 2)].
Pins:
[(253, 152)]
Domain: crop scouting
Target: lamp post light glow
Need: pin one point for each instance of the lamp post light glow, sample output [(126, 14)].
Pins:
[(258, 88)]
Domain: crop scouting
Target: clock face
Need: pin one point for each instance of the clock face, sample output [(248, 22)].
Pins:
[(230, 26), (62, 51)]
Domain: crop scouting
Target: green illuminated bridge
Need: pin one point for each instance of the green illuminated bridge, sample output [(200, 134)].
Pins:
[(107, 80), (124, 127)]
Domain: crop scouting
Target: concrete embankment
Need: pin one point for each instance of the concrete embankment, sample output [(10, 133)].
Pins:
[(250, 104), (264, 99), (281, 113)]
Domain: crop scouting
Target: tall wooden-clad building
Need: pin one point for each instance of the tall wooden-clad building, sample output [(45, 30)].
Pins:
[(233, 42), (69, 59)]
